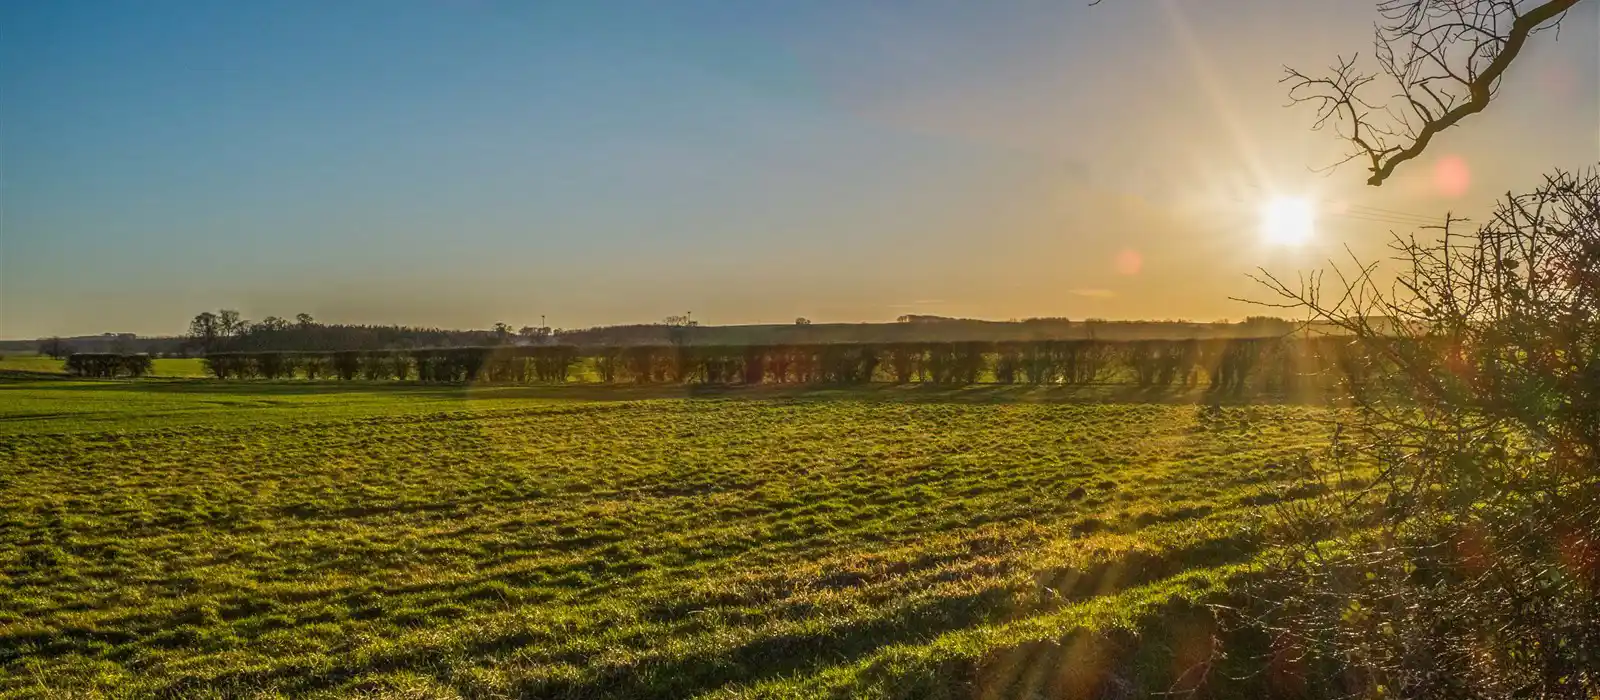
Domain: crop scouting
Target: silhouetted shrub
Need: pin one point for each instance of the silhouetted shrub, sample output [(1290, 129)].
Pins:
[(1084, 361), (554, 363), (1278, 363), (274, 365), (1461, 489), (755, 364), (846, 363), (400, 365), (426, 363), (506, 365), (904, 358), (315, 365), (939, 359), (969, 361), (805, 363), (608, 363), (640, 361), (717, 364), (778, 359), (347, 364), (376, 365), (1007, 363), (1040, 362), (224, 365), (467, 364), (137, 365), (1235, 363), (107, 365)]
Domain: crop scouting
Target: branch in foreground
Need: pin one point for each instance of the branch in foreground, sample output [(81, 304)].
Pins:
[(1445, 60)]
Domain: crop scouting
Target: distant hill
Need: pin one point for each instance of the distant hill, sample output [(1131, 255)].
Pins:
[(105, 342), (924, 329), (908, 329)]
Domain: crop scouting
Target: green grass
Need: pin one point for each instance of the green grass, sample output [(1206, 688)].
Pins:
[(41, 364), (189, 367), (192, 539)]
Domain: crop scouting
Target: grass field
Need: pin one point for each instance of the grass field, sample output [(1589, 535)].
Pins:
[(40, 364), (194, 539)]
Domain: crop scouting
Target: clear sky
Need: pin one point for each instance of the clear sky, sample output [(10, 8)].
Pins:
[(460, 162)]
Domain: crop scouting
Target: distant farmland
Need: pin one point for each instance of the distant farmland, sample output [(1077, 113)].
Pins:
[(318, 336), (40, 364)]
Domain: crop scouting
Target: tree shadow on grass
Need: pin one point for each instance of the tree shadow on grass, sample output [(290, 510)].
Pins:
[(799, 652), (233, 388)]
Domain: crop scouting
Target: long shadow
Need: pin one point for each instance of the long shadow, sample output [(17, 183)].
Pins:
[(209, 386), (1173, 653), (801, 653), (790, 654), (27, 375)]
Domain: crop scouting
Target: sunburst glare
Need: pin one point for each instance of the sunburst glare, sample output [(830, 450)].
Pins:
[(1289, 221)]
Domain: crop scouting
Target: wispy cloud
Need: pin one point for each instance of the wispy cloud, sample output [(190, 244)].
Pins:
[(1094, 293), (917, 303)]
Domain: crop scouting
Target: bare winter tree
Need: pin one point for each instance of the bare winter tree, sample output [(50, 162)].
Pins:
[(1437, 63), (55, 348), (535, 335), (1456, 552), (230, 324), (272, 323), (205, 331)]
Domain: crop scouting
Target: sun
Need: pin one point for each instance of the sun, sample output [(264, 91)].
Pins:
[(1288, 221)]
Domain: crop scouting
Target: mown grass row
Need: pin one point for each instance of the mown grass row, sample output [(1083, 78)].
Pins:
[(648, 549)]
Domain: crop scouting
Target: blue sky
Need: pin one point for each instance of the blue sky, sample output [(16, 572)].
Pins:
[(460, 162)]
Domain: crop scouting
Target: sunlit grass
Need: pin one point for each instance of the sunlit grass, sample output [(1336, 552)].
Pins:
[(390, 541), (189, 367)]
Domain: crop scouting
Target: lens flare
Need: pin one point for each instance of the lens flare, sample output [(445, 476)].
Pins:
[(1129, 262), (1451, 176)]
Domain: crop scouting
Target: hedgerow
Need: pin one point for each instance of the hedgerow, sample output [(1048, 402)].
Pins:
[(1269, 364), (107, 364)]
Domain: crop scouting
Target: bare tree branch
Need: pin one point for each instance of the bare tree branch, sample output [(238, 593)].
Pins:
[(1445, 59)]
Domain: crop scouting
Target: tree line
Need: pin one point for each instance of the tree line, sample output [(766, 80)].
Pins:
[(1276, 363), (108, 364), (227, 331)]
